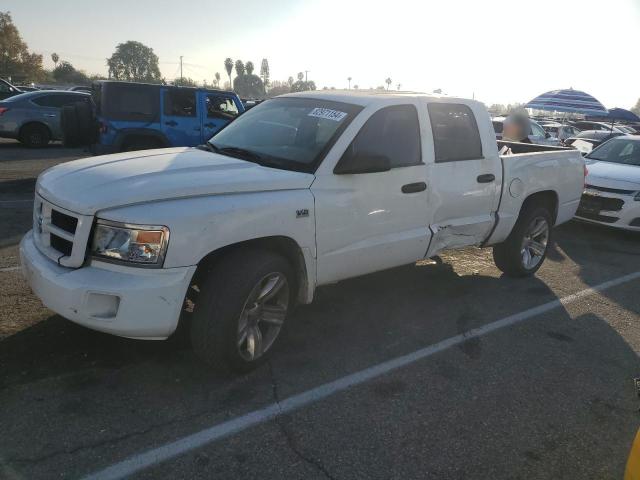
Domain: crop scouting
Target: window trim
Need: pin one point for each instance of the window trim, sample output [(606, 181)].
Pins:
[(415, 110), (433, 137)]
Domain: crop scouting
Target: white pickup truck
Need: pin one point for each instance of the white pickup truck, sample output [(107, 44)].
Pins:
[(301, 191)]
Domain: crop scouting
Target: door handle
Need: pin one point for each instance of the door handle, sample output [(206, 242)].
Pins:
[(414, 187), (486, 178), (171, 123)]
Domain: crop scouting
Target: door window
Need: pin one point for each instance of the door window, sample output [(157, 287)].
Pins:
[(455, 132), (220, 107), (392, 132), (537, 130), (57, 100), (180, 103)]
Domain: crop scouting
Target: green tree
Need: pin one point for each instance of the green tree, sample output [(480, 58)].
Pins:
[(300, 76), (55, 59), (185, 82), (217, 79), (249, 68), (248, 86), (228, 66), (636, 109), (134, 62), (239, 67), (15, 59), (388, 82), (66, 73), (290, 82)]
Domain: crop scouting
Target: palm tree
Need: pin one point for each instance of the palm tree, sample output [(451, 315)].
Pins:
[(349, 79), (239, 68), (398, 86), (300, 76), (217, 79), (249, 68), (228, 66), (290, 81), (55, 58), (388, 82)]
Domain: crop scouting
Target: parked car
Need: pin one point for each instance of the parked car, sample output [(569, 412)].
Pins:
[(560, 131), (7, 90), (80, 88), (137, 116), (598, 126), (626, 129), (612, 190), (27, 88), (589, 139), (302, 190), (537, 134), (33, 118)]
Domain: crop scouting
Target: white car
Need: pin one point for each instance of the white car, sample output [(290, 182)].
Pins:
[(560, 131), (301, 191), (612, 190)]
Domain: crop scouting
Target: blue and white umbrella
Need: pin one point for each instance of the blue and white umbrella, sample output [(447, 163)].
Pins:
[(570, 100)]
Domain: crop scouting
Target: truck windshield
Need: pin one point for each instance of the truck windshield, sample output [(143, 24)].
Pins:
[(289, 133), (618, 150)]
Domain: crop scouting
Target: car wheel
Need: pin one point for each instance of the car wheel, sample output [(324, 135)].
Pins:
[(241, 309), (524, 251), (35, 136)]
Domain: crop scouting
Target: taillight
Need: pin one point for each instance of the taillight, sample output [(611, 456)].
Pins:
[(2, 110)]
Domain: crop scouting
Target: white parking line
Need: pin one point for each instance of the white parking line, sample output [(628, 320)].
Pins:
[(10, 269), (165, 452)]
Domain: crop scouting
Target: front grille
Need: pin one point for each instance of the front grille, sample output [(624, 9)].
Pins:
[(60, 244), (595, 216), (594, 204), (64, 221), (610, 190), (60, 234)]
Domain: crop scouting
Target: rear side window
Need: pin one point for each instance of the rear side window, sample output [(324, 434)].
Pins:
[(57, 100), (455, 132), (393, 132), (130, 102), (220, 107), (180, 103)]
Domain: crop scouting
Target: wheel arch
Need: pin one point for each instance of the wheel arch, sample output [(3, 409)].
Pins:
[(546, 198), (130, 134), (283, 245), (34, 122)]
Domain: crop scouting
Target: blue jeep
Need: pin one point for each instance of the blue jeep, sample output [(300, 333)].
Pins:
[(137, 116)]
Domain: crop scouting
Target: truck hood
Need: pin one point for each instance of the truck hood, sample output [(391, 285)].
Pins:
[(613, 175), (91, 184)]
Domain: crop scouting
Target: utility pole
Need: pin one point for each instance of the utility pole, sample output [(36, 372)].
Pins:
[(180, 69), (305, 75)]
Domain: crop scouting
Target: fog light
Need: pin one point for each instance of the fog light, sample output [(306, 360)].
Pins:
[(102, 306)]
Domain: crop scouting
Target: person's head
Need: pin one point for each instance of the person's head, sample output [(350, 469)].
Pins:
[(516, 127)]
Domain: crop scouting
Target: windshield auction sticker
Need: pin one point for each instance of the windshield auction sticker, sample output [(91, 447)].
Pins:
[(327, 113)]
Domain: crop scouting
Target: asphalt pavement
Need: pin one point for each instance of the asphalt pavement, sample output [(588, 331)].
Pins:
[(549, 394)]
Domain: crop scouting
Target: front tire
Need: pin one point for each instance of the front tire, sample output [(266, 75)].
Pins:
[(241, 309), (525, 249)]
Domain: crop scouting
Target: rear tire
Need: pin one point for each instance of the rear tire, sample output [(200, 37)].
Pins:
[(524, 250), (241, 308), (35, 135)]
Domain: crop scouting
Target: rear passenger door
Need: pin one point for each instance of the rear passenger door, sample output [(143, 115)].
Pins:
[(217, 111), (464, 180), (180, 118), (50, 106)]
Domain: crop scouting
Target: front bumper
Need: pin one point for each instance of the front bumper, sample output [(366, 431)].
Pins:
[(627, 218), (126, 301)]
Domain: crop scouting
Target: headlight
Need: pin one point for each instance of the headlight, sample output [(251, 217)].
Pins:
[(144, 245)]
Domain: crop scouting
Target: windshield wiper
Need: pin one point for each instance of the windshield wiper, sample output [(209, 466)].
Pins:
[(241, 153)]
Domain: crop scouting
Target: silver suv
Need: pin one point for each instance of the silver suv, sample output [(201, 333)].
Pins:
[(33, 118)]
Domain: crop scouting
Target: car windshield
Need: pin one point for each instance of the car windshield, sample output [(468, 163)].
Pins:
[(289, 133), (618, 150)]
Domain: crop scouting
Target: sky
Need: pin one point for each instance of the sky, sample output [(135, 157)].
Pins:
[(498, 51)]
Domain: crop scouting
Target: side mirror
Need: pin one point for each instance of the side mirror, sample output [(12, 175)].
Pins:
[(362, 162)]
